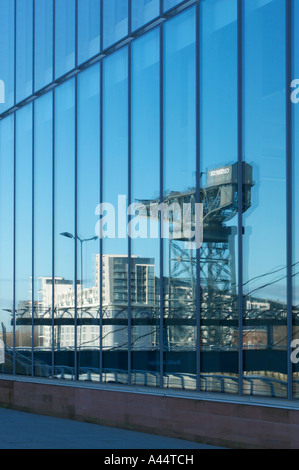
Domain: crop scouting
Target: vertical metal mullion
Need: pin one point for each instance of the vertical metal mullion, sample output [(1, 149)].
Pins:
[(53, 234), (161, 340), (198, 182), (14, 249), (76, 33), (76, 205), (240, 192), (54, 41), (101, 239), (289, 189), (33, 189), (76, 234), (33, 46), (129, 203), (53, 197), (15, 52), (101, 24), (33, 238), (129, 17), (14, 190)]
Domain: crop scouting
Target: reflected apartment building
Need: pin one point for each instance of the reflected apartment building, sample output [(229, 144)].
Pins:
[(174, 102), (114, 304)]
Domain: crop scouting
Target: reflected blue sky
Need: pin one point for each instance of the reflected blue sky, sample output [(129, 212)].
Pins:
[(264, 120)]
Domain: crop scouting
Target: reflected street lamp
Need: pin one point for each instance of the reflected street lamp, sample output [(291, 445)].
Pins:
[(81, 240)]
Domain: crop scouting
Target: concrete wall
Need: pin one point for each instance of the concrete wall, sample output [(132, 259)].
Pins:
[(229, 424)]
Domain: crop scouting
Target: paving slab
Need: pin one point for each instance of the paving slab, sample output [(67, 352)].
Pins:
[(19, 430)]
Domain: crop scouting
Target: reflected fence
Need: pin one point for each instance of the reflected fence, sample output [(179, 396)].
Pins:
[(265, 360), (260, 383)]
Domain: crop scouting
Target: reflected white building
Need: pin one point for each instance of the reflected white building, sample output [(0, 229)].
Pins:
[(114, 305)]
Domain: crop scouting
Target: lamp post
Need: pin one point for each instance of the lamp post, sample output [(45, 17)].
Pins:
[(81, 240)]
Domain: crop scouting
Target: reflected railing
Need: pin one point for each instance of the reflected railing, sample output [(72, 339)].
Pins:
[(254, 385)]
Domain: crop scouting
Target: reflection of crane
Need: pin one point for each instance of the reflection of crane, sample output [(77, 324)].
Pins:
[(217, 263), (219, 198)]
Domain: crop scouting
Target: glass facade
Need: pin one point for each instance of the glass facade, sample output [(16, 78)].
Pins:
[(108, 116)]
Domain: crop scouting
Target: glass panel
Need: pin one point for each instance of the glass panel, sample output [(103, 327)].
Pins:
[(43, 43), (295, 99), (115, 245), (89, 20), (64, 36), (168, 4), (219, 194), (115, 21), (7, 54), (144, 11), (64, 269), (43, 198), (265, 332), (145, 263), (23, 269), (24, 58), (88, 243), (179, 188), (6, 246)]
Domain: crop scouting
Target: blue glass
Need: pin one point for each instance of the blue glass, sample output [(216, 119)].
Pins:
[(168, 4), (219, 153), (43, 216), (6, 236), (24, 49), (145, 263), (295, 99), (65, 34), (265, 345), (23, 236), (89, 25), (179, 188), (144, 11), (115, 22), (43, 43), (88, 243), (115, 245), (64, 256), (7, 54)]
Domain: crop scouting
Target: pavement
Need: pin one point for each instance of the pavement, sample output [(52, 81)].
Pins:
[(19, 430)]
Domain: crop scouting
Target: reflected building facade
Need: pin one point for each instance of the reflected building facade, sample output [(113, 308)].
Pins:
[(161, 102)]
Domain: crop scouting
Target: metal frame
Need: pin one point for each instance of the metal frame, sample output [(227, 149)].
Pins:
[(129, 203), (76, 202), (126, 41), (198, 184), (14, 203), (240, 191), (161, 336), (53, 191), (289, 187)]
